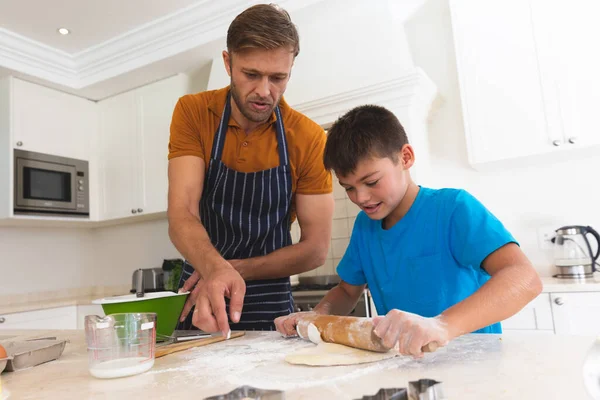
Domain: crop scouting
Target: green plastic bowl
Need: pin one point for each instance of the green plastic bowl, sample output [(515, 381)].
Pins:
[(166, 305)]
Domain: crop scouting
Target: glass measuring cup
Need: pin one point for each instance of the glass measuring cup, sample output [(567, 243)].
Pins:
[(120, 344)]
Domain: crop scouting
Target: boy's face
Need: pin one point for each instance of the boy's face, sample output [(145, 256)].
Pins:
[(377, 185)]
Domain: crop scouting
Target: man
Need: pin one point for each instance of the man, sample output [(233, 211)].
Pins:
[(242, 166)]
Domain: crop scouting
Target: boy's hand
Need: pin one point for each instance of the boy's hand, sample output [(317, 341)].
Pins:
[(286, 325), (410, 332)]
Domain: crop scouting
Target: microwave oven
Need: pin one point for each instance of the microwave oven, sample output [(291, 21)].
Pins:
[(48, 184)]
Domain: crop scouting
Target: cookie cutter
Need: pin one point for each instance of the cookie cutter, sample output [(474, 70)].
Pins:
[(423, 389), (249, 392)]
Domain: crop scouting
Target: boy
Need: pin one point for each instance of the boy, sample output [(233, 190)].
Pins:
[(437, 262)]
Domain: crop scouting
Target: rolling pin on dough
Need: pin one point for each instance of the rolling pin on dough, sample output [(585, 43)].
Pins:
[(350, 331)]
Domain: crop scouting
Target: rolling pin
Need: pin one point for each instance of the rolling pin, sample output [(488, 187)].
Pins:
[(350, 331)]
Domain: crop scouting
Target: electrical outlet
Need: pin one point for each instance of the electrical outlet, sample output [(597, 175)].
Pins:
[(545, 236)]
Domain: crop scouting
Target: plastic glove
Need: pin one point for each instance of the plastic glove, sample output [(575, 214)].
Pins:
[(410, 333)]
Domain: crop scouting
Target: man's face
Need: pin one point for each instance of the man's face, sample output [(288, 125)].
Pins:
[(377, 186), (258, 80)]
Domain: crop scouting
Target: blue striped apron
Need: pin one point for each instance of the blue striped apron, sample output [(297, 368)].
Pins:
[(248, 215)]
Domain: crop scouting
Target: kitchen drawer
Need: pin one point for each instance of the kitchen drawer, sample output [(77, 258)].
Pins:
[(52, 318), (537, 315)]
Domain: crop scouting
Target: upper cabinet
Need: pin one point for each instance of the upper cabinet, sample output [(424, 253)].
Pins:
[(528, 84), (133, 146), (52, 122)]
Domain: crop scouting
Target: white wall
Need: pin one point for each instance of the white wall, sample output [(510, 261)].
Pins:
[(44, 259), (344, 45), (525, 199)]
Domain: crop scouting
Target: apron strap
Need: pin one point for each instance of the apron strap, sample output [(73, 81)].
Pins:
[(219, 142)]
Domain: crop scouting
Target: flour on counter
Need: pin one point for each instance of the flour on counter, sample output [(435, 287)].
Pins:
[(259, 362)]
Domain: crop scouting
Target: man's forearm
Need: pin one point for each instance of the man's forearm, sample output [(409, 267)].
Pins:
[(191, 239), (290, 260), (503, 295)]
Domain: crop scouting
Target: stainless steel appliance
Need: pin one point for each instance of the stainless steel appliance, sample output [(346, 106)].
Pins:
[(574, 255), (311, 290), (47, 184), (147, 280)]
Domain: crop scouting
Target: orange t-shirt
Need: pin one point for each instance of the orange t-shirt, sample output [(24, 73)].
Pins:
[(195, 122)]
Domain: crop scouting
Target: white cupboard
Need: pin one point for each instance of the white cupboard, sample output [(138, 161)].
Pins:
[(134, 137), (52, 122), (68, 317), (535, 317), (529, 85), (576, 313)]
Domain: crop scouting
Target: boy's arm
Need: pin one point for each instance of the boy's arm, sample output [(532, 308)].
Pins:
[(513, 284), (340, 300)]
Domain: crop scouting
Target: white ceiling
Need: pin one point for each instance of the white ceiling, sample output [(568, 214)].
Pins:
[(115, 45), (91, 21)]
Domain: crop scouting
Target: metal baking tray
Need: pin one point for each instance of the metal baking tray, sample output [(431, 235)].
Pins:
[(3, 362), (26, 354), (423, 389), (249, 392)]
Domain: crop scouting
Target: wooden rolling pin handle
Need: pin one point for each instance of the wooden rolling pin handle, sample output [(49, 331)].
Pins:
[(430, 347)]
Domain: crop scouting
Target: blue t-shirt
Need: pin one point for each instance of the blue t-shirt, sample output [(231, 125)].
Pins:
[(430, 259)]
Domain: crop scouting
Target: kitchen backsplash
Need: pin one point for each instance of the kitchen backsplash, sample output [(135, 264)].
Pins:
[(345, 213)]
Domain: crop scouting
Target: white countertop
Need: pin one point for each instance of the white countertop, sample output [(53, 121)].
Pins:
[(471, 367), (555, 285)]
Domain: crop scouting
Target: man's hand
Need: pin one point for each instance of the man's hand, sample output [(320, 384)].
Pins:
[(189, 286), (410, 332), (209, 297), (286, 325)]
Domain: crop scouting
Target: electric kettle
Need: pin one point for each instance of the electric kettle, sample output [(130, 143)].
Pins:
[(574, 256)]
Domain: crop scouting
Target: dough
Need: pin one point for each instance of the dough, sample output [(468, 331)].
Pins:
[(328, 354)]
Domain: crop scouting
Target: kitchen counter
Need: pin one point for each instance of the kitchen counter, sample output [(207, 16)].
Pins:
[(471, 367), (555, 285)]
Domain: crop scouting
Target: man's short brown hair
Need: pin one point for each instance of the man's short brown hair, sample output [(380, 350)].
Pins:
[(363, 132), (263, 26)]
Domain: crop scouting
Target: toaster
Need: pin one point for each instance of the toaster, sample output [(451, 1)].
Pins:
[(152, 279)]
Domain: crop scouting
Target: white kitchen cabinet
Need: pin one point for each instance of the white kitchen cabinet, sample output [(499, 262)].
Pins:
[(576, 313), (52, 122), (569, 67), (52, 318), (119, 157), (535, 317), (156, 103), (134, 137), (529, 85)]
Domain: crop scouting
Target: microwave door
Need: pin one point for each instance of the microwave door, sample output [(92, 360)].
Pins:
[(43, 185)]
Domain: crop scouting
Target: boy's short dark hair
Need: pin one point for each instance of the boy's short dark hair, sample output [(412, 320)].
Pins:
[(363, 132)]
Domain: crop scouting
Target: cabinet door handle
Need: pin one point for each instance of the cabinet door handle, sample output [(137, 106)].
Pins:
[(556, 143), (133, 211), (139, 210), (19, 143), (2, 320), (559, 301), (572, 140)]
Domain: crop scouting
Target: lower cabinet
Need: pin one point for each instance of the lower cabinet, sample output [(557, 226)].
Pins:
[(68, 317), (568, 313), (534, 318), (576, 313)]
